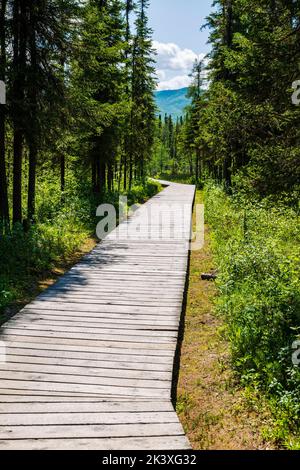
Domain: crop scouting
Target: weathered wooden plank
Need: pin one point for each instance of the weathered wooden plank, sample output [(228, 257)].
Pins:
[(85, 316), (142, 273), (90, 431), (116, 288), (142, 348), (94, 384), (86, 418), (84, 407), (128, 443), (83, 371), (87, 307), (106, 367), (13, 395), (143, 263), (88, 352), (121, 276), (112, 293), (122, 323), (39, 385), (97, 332), (10, 372), (109, 301)]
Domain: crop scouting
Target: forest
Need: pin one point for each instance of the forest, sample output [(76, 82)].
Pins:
[(77, 127), (80, 126)]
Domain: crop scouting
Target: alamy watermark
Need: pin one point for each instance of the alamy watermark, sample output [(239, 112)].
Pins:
[(167, 222), (2, 92), (296, 353), (296, 93), (2, 352)]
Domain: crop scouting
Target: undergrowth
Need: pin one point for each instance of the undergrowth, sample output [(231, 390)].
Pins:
[(62, 225), (256, 247)]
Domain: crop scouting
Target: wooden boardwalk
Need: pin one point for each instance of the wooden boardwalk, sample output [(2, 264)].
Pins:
[(89, 363)]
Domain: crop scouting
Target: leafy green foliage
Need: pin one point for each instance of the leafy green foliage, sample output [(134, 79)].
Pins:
[(245, 125), (62, 226), (257, 251)]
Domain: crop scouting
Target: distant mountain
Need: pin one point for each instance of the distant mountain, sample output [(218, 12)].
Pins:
[(172, 102)]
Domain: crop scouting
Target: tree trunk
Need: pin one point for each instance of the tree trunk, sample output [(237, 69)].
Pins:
[(229, 24), (18, 111), (197, 164), (110, 176), (101, 176), (4, 210), (31, 182), (227, 171), (17, 176), (228, 38), (94, 174), (191, 167), (130, 172), (32, 132), (124, 171), (129, 7), (62, 175)]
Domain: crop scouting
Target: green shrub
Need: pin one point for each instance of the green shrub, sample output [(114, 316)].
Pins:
[(257, 251), (62, 224)]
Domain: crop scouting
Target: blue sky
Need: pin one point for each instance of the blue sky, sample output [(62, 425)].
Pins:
[(177, 38)]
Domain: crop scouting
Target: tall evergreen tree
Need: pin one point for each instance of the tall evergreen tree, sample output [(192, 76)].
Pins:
[(98, 85), (247, 125), (20, 22), (143, 86), (197, 102), (127, 153)]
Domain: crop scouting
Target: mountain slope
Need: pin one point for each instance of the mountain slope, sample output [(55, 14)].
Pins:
[(172, 102)]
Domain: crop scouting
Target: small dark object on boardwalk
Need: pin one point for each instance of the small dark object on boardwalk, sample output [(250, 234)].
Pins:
[(209, 276)]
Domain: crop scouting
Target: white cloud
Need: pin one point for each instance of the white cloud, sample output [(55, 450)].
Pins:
[(171, 56), (175, 83), (161, 75), (174, 65)]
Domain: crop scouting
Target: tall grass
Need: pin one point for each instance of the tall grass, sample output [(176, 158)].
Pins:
[(257, 250)]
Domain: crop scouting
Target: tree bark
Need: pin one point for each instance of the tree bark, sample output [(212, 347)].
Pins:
[(32, 133), (32, 182), (197, 164), (102, 176), (129, 8), (130, 172), (124, 170), (94, 175), (227, 75), (62, 174), (18, 111), (109, 176), (4, 210), (227, 171)]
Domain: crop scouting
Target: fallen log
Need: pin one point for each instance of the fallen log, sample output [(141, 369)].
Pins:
[(209, 276)]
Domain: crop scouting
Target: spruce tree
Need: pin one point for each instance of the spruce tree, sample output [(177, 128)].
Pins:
[(143, 86), (98, 86)]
